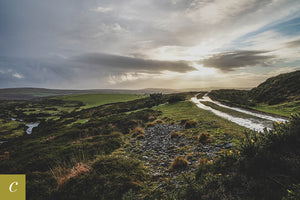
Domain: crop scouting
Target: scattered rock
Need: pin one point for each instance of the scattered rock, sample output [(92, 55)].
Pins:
[(158, 150)]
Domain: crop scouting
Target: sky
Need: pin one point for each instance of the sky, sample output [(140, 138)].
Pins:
[(134, 44)]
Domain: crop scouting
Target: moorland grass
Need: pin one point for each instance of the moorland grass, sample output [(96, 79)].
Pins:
[(11, 129)]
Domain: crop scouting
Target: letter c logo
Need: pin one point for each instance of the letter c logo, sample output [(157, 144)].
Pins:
[(11, 185)]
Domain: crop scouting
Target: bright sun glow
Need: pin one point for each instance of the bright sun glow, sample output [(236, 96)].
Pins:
[(203, 71), (183, 53)]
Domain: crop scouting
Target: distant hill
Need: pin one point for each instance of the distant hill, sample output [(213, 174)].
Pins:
[(32, 93), (275, 90), (284, 87)]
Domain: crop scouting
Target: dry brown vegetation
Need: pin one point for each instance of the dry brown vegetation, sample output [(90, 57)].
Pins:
[(205, 138), (137, 131), (179, 163), (62, 173), (190, 124), (174, 134)]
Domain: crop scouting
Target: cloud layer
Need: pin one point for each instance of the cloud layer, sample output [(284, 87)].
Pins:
[(229, 61), (136, 44), (125, 63)]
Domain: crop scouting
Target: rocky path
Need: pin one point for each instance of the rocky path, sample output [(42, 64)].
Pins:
[(158, 149)]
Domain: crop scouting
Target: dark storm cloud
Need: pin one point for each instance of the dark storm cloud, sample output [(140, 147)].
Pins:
[(27, 72), (230, 60), (293, 44), (85, 71), (133, 64)]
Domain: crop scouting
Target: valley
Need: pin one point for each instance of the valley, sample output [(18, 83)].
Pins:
[(153, 146)]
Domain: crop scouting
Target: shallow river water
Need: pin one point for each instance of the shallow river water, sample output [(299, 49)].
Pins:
[(30, 127), (258, 123)]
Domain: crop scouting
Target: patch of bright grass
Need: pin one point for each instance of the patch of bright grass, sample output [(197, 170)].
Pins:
[(283, 109), (92, 100), (228, 111), (10, 129), (206, 120)]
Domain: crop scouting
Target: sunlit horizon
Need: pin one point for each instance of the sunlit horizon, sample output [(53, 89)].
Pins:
[(147, 44)]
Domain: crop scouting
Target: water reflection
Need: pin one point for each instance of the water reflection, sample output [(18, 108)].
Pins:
[(256, 124)]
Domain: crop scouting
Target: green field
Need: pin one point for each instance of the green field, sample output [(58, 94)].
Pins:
[(283, 109), (92, 100)]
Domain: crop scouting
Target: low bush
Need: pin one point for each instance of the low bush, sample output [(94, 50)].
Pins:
[(176, 97)]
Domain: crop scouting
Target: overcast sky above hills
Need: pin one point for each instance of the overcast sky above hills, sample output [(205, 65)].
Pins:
[(79, 44)]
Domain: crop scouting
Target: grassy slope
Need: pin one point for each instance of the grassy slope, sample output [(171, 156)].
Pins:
[(278, 95), (283, 109), (278, 89), (228, 111), (53, 110), (92, 100), (207, 121), (265, 167)]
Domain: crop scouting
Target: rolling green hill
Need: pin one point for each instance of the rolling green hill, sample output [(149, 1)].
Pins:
[(279, 95), (278, 89)]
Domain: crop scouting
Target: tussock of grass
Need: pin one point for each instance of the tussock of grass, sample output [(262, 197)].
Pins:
[(154, 123), (190, 124), (179, 163), (116, 134), (174, 134), (140, 137), (62, 173), (205, 138), (110, 178), (137, 131)]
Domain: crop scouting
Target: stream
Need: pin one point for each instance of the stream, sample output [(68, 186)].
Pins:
[(30, 127), (28, 130), (264, 121)]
